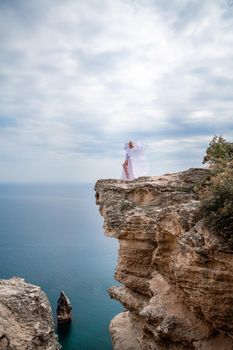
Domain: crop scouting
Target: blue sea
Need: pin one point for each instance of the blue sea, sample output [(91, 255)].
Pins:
[(52, 236)]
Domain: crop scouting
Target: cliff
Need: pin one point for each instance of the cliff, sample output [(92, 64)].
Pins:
[(26, 321), (176, 276)]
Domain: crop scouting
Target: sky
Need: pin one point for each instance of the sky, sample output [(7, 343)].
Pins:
[(80, 78)]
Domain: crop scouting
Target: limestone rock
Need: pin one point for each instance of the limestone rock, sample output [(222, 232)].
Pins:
[(26, 321), (124, 334), (177, 277), (64, 309)]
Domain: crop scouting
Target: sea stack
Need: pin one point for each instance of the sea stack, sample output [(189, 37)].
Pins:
[(64, 309)]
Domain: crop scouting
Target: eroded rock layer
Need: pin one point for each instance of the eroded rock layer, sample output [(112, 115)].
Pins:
[(26, 321), (177, 277)]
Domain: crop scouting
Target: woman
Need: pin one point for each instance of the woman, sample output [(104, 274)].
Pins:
[(135, 163)]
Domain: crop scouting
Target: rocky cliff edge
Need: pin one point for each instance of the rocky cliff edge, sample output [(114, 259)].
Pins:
[(177, 278), (26, 321)]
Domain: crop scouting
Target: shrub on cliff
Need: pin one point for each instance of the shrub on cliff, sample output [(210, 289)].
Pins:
[(217, 203), (219, 154), (216, 193)]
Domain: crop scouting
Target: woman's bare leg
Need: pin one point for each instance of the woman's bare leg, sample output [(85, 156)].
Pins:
[(125, 166)]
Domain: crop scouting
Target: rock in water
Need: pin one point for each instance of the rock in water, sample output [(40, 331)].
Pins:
[(26, 321), (64, 309)]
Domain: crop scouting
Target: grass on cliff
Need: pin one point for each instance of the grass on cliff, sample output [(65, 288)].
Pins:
[(216, 193)]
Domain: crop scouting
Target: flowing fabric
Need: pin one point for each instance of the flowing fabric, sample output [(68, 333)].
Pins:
[(137, 162)]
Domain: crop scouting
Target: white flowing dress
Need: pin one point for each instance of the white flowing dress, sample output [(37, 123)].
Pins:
[(137, 162)]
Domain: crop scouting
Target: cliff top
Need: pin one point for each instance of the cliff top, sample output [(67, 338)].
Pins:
[(183, 180)]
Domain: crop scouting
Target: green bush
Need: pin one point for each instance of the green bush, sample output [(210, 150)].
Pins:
[(217, 203), (219, 153), (216, 193)]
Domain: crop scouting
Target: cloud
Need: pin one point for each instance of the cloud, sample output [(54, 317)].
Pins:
[(80, 78)]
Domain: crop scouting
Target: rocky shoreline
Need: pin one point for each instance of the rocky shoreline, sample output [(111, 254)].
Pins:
[(176, 277), (26, 321)]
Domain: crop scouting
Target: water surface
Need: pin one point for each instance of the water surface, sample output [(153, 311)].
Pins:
[(51, 235)]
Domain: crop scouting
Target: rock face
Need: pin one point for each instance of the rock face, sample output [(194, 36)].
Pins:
[(177, 277), (64, 309), (26, 321)]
